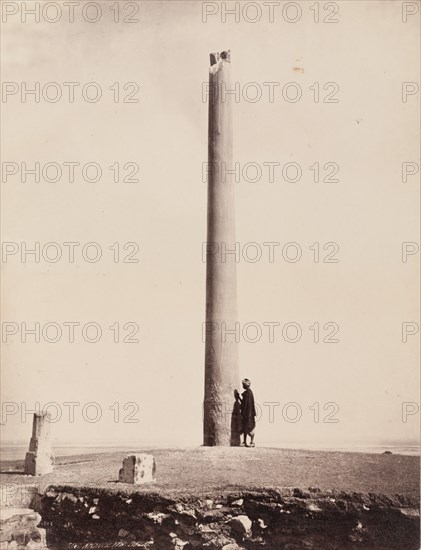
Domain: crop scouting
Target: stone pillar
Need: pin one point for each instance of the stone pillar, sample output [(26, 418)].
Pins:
[(220, 421), (39, 459)]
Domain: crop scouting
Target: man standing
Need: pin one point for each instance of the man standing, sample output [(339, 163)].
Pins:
[(248, 413)]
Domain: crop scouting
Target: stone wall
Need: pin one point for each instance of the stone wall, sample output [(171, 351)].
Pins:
[(287, 519)]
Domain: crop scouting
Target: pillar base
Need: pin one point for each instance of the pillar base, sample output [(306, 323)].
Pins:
[(38, 464)]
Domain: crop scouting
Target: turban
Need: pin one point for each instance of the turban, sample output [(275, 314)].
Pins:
[(246, 382)]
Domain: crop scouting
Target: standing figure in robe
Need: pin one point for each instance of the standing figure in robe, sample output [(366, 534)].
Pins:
[(248, 413)]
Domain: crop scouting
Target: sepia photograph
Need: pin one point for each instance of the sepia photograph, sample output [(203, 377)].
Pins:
[(210, 274)]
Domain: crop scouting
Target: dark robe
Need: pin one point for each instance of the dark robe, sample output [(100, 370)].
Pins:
[(248, 412)]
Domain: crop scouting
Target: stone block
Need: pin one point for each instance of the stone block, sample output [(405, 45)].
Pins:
[(138, 468)]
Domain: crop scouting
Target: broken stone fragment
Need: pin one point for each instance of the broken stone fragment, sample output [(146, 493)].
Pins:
[(179, 544), (312, 507), (209, 503), (138, 468), (158, 517), (220, 541), (70, 496), (188, 516), (241, 525), (261, 523), (411, 512)]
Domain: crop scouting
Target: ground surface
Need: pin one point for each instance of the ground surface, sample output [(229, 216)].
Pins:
[(194, 471)]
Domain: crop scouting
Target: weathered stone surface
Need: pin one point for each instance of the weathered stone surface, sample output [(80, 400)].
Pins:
[(138, 468), (312, 507), (241, 525), (38, 464), (158, 517), (16, 495), (272, 520), (261, 523), (39, 459), (178, 543), (16, 514), (209, 503), (411, 512), (220, 408), (18, 529), (212, 515)]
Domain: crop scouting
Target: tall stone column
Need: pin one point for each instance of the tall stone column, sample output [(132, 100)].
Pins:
[(39, 459), (220, 424)]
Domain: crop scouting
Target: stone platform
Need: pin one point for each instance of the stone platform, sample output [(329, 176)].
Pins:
[(231, 498)]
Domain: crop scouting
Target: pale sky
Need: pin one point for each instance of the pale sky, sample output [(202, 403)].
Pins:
[(369, 213)]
